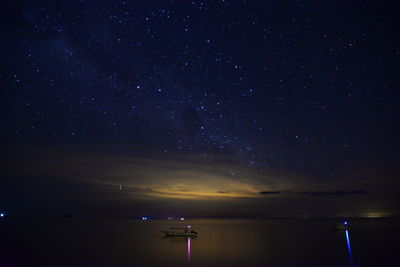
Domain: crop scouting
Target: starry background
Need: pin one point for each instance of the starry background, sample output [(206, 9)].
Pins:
[(297, 99)]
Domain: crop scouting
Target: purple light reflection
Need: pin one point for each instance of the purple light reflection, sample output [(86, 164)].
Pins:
[(188, 248)]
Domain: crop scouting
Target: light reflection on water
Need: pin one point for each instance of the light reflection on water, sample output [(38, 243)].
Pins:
[(188, 248), (349, 248), (220, 242), (177, 241)]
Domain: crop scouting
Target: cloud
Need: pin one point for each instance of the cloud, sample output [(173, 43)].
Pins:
[(270, 192), (181, 176), (333, 193), (317, 193)]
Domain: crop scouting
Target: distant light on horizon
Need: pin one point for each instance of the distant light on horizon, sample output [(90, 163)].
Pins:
[(376, 214), (2, 215), (144, 218), (182, 219)]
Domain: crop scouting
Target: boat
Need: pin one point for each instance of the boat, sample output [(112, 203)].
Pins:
[(343, 226), (179, 231)]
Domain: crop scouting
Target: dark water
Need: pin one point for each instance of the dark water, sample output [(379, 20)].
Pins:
[(88, 242)]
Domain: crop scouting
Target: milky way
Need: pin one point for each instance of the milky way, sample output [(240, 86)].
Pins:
[(299, 93)]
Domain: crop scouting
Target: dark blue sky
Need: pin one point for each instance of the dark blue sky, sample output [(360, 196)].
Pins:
[(299, 89)]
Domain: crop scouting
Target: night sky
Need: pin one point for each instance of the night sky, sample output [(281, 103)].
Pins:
[(194, 108)]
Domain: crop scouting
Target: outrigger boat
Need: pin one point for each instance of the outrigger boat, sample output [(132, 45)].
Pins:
[(343, 226), (179, 231)]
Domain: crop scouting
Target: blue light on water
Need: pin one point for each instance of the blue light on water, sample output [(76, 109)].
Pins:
[(349, 248), (348, 241), (2, 215)]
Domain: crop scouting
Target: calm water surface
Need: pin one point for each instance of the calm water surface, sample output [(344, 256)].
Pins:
[(88, 242)]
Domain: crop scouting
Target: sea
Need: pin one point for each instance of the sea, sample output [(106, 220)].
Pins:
[(221, 242)]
